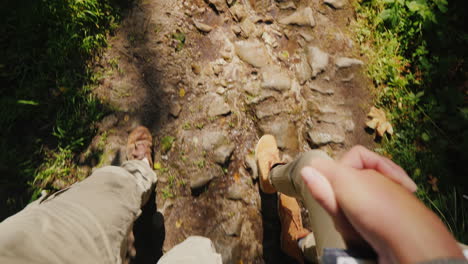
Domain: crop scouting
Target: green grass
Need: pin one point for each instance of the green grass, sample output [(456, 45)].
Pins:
[(418, 62), (47, 110)]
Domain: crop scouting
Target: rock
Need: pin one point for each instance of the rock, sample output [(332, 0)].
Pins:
[(269, 109), (318, 60), (344, 62), (269, 40), (321, 108), (303, 70), (230, 2), (238, 11), (321, 138), (322, 90), (247, 28), (284, 131), (175, 109), (251, 163), (306, 36), (202, 26), (235, 192), (201, 177), (348, 78), (337, 4), (252, 52), (210, 140), (287, 5), (236, 29), (222, 153), (233, 226), (217, 106), (348, 125), (217, 69), (274, 77), (107, 123), (302, 17)]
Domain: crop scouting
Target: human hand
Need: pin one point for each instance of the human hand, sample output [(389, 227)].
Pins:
[(369, 198)]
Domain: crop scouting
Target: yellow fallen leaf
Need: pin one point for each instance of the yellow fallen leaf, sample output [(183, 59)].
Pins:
[(378, 121), (182, 92), (178, 223), (157, 166)]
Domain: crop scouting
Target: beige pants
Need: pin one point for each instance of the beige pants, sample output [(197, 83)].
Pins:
[(287, 179), (89, 223)]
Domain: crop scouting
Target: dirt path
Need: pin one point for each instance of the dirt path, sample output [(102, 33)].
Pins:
[(209, 79)]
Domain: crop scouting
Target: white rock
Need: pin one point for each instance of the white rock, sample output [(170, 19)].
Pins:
[(321, 138), (303, 70), (222, 153), (275, 78), (344, 62), (238, 11), (318, 60), (335, 3), (302, 17), (247, 28), (218, 106), (287, 5), (252, 52), (202, 26)]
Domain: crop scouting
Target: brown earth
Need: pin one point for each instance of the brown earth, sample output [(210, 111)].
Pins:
[(181, 69)]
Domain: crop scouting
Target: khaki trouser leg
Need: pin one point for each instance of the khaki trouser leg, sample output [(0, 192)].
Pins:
[(86, 223), (287, 179)]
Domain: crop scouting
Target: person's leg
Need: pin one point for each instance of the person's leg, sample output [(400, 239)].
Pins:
[(194, 249), (287, 179), (86, 223)]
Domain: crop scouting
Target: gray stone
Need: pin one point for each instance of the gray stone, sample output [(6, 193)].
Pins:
[(202, 26), (251, 163), (318, 60), (284, 132), (108, 122), (303, 70), (348, 125), (201, 177), (274, 77), (213, 139), (268, 109), (302, 17), (325, 91), (344, 62), (287, 5), (175, 109), (338, 4), (233, 226), (319, 138), (218, 106), (252, 52), (238, 11), (222, 153), (247, 28), (235, 192)]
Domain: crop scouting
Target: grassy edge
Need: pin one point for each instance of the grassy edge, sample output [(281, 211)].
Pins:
[(399, 90)]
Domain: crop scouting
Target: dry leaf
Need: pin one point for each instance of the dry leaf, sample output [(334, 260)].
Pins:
[(379, 122), (182, 92), (178, 224)]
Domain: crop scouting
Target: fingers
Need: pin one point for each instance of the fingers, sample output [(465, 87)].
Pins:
[(360, 157)]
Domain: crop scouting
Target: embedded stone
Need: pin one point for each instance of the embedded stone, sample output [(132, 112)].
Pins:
[(274, 77), (253, 52), (302, 17)]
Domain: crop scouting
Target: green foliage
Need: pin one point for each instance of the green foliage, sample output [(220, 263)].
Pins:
[(166, 143), (46, 108), (418, 61)]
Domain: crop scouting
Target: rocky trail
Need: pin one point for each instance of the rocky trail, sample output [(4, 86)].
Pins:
[(209, 78)]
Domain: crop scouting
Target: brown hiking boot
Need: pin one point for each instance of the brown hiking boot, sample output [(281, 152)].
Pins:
[(139, 145), (291, 226), (266, 155)]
